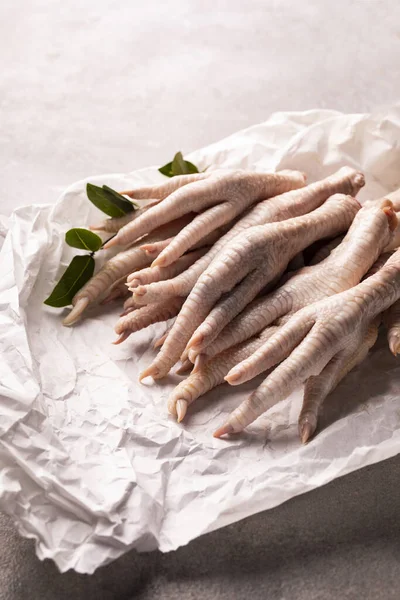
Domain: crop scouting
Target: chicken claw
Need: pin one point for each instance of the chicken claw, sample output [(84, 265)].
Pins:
[(286, 206), (117, 268), (250, 261), (145, 316), (309, 341), (318, 387), (114, 224), (151, 274), (371, 231), (391, 319), (152, 194), (219, 196), (211, 374)]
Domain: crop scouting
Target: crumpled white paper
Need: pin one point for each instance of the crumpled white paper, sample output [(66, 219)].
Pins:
[(90, 463)]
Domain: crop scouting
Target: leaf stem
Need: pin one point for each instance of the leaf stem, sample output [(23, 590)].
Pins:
[(105, 241)]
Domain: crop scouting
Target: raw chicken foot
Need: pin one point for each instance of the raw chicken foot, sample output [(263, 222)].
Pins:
[(251, 260), (286, 206), (146, 315), (318, 341), (119, 266), (219, 196), (371, 230)]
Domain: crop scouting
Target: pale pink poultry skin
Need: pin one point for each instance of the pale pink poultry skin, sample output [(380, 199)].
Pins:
[(174, 202), (116, 291), (210, 375), (219, 196), (324, 251), (129, 306), (114, 224), (119, 267), (370, 233), (318, 341), (286, 206), (391, 319), (255, 256), (152, 195), (146, 315), (318, 387), (150, 274), (371, 230)]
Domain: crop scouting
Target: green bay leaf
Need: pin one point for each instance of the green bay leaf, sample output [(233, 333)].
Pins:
[(121, 200), (108, 200), (83, 239), (78, 272), (178, 166), (166, 170)]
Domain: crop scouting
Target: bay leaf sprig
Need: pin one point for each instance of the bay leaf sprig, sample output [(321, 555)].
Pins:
[(81, 268), (84, 239), (113, 204), (109, 201), (78, 272), (178, 166)]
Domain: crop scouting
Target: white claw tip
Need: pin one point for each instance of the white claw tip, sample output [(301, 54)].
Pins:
[(151, 371), (225, 429), (76, 312), (305, 430), (160, 261), (114, 241), (122, 337), (181, 408), (394, 343), (199, 362), (233, 377)]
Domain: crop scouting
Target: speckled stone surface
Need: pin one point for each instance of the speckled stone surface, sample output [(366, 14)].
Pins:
[(102, 86)]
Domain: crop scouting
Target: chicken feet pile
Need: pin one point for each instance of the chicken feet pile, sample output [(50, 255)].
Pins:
[(319, 345), (370, 233), (213, 251)]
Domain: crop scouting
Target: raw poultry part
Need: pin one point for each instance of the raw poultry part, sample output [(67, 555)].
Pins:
[(371, 230), (117, 267), (318, 340), (146, 315), (286, 206), (252, 259), (219, 196)]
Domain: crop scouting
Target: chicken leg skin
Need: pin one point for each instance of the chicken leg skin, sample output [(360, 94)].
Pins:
[(237, 190), (318, 387), (257, 256), (119, 266), (271, 248), (369, 234), (391, 319), (309, 341), (145, 316), (286, 206), (212, 374)]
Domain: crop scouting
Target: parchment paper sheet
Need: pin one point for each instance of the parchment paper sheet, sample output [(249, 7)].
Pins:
[(90, 463)]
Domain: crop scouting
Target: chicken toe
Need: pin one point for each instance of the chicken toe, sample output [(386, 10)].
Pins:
[(238, 189), (391, 319), (279, 208), (145, 316), (371, 231), (311, 338), (318, 387), (264, 252)]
